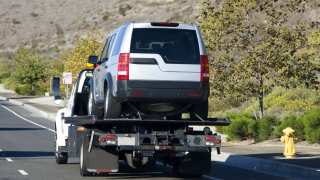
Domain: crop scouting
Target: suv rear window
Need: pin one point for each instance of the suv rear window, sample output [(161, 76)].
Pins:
[(176, 46)]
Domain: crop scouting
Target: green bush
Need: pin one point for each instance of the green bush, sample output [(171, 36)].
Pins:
[(23, 89), (264, 128), (238, 129), (291, 121), (311, 122)]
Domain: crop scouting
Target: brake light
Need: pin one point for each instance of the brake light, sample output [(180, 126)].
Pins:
[(204, 68), (108, 138), (212, 140), (123, 66)]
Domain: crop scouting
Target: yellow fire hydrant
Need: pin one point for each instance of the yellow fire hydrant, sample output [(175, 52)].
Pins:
[(288, 140)]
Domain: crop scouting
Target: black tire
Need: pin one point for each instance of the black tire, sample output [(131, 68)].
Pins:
[(144, 163), (61, 157), (92, 107), (112, 108), (83, 160), (178, 172), (200, 109)]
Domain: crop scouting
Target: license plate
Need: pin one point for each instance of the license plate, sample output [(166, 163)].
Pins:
[(126, 141)]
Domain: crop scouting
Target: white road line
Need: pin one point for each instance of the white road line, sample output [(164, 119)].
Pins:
[(27, 120), (9, 159), (23, 172)]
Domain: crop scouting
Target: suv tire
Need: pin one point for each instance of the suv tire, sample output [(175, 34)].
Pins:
[(92, 107), (112, 108), (199, 109)]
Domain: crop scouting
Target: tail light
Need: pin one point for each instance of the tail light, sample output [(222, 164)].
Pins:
[(123, 66), (108, 139), (212, 140), (204, 68)]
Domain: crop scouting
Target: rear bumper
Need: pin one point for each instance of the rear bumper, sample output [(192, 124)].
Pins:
[(162, 91)]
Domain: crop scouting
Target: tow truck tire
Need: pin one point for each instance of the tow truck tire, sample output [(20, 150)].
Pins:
[(199, 109), (92, 108), (143, 163), (61, 157), (112, 108), (83, 160), (194, 164)]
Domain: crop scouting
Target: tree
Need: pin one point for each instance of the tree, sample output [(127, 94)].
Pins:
[(30, 68), (249, 58), (75, 60), (227, 36)]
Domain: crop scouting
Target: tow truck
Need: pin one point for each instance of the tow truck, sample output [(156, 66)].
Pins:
[(101, 144)]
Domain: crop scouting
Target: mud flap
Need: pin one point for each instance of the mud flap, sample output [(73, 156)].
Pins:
[(103, 160)]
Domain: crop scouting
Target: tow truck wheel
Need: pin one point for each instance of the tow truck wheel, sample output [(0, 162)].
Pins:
[(61, 157), (178, 171), (83, 161), (194, 164)]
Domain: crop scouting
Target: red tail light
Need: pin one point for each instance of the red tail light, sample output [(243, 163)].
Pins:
[(123, 66), (211, 140), (204, 68), (108, 138)]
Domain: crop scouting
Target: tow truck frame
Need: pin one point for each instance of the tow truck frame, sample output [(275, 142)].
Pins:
[(102, 143)]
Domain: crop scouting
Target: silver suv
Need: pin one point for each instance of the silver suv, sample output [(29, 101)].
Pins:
[(151, 70)]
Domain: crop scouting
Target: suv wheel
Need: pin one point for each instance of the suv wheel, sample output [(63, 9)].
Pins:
[(200, 110), (112, 108), (92, 108)]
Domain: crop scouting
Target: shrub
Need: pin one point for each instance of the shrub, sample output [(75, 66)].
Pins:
[(264, 128), (238, 129), (291, 121), (23, 89), (311, 122)]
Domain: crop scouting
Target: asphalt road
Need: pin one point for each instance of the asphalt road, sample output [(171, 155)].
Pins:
[(27, 152)]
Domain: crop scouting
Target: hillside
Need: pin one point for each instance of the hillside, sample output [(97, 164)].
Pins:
[(54, 25)]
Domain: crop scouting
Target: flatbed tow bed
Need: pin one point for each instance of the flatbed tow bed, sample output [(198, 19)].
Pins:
[(92, 120), (141, 142)]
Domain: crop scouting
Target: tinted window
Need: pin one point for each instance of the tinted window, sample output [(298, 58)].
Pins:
[(175, 46), (118, 41), (110, 46), (105, 50)]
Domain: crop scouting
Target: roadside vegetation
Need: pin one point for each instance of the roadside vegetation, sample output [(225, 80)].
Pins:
[(28, 72), (264, 63), (265, 67)]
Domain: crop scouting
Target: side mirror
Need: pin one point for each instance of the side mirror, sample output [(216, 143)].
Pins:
[(55, 89), (93, 59)]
